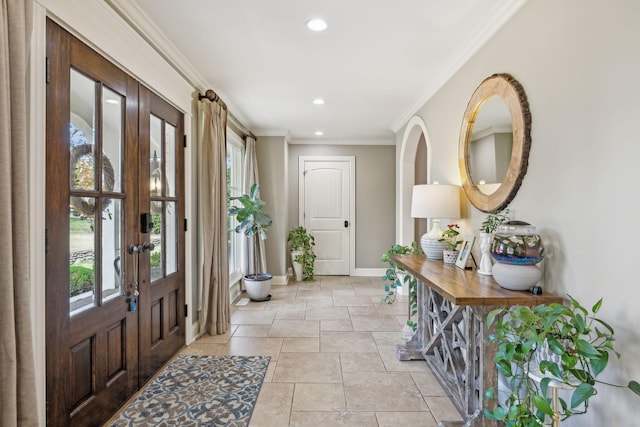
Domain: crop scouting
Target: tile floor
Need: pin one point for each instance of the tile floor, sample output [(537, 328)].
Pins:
[(333, 361)]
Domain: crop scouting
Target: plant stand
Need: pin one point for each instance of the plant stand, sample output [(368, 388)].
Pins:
[(537, 376)]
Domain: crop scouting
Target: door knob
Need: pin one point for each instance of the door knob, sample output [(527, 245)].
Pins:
[(346, 223), (148, 246)]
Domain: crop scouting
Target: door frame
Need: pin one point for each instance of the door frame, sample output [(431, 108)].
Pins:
[(351, 160)]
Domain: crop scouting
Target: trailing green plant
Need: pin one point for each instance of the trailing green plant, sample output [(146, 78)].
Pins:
[(396, 276), (583, 342), (494, 220), (253, 221), (301, 240)]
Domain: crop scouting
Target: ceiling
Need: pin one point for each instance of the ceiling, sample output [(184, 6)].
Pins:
[(375, 65)]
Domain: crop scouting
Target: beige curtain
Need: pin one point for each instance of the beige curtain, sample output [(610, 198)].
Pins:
[(214, 317), (251, 177), (17, 381)]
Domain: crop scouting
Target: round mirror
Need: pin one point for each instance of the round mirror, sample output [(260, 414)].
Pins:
[(495, 139)]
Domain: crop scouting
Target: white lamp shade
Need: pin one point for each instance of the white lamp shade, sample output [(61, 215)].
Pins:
[(435, 201)]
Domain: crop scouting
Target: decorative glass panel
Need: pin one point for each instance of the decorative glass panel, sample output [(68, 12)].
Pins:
[(82, 132), (171, 242), (155, 257), (170, 162), (155, 161), (112, 128), (112, 224), (82, 238)]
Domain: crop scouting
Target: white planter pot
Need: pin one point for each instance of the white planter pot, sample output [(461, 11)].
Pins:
[(258, 286), (516, 277), (297, 266), (450, 256)]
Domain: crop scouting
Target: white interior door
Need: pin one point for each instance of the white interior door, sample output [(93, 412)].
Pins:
[(326, 200)]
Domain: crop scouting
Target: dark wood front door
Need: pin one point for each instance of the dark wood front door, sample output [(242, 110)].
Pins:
[(111, 316)]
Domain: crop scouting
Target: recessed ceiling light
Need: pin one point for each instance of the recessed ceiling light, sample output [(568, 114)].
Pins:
[(318, 101), (317, 24), (318, 133)]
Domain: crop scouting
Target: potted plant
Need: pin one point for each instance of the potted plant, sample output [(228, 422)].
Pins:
[(487, 228), (253, 222), (450, 237), (301, 244), (394, 278), (583, 343)]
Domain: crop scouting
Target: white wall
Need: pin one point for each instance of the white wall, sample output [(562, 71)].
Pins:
[(579, 62)]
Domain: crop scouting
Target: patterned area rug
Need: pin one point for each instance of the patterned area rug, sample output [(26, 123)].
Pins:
[(199, 391)]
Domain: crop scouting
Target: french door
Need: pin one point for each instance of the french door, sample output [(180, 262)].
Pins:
[(114, 251)]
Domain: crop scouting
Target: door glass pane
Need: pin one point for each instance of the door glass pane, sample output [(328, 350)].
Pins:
[(112, 222), (82, 132), (82, 276), (155, 259), (172, 238), (112, 128), (155, 161), (170, 162)]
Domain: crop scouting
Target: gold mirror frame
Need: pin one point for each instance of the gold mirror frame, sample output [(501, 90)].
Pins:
[(512, 93)]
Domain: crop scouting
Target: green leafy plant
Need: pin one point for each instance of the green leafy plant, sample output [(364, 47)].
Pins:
[(81, 279), (493, 221), (300, 239), (155, 259), (253, 221), (583, 343), (450, 236), (396, 276)]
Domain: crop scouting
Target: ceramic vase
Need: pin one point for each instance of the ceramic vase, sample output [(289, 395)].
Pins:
[(486, 266)]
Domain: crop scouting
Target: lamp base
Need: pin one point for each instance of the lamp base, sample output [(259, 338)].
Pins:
[(432, 247)]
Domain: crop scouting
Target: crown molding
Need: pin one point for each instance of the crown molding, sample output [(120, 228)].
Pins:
[(344, 141), (469, 48)]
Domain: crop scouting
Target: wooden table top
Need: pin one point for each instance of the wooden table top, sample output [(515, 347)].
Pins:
[(467, 287)]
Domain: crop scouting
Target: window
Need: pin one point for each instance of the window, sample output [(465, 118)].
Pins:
[(235, 157)]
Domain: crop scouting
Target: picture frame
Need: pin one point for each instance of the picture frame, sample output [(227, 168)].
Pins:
[(465, 252)]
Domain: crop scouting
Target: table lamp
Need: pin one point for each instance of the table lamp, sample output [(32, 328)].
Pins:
[(435, 201)]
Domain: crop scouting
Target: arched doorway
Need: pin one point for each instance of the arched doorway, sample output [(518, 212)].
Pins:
[(415, 133)]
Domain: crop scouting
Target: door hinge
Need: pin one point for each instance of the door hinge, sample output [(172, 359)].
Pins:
[(185, 140), (186, 310), (46, 241), (48, 70), (185, 225)]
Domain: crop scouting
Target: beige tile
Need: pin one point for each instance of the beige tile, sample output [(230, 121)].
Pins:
[(443, 409), (333, 419), (394, 419), (397, 307), (318, 397), (295, 328), (312, 294), (361, 362), (391, 362), (355, 301), (382, 391), (308, 368), (248, 346), (320, 302), (217, 339), (362, 311), (271, 369), (291, 315), (286, 305), (205, 349), (252, 331), (344, 292), (347, 342), (301, 345), (336, 325), (273, 407), (253, 317), (387, 338), (428, 384), (327, 313), (375, 323)]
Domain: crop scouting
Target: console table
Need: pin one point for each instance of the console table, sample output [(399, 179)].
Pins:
[(451, 334)]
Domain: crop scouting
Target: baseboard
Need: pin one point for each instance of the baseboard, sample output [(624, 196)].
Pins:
[(369, 272)]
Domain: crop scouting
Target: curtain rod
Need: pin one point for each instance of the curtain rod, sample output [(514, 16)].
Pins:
[(212, 96)]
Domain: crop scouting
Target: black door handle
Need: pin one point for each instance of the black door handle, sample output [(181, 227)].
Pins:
[(346, 223)]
